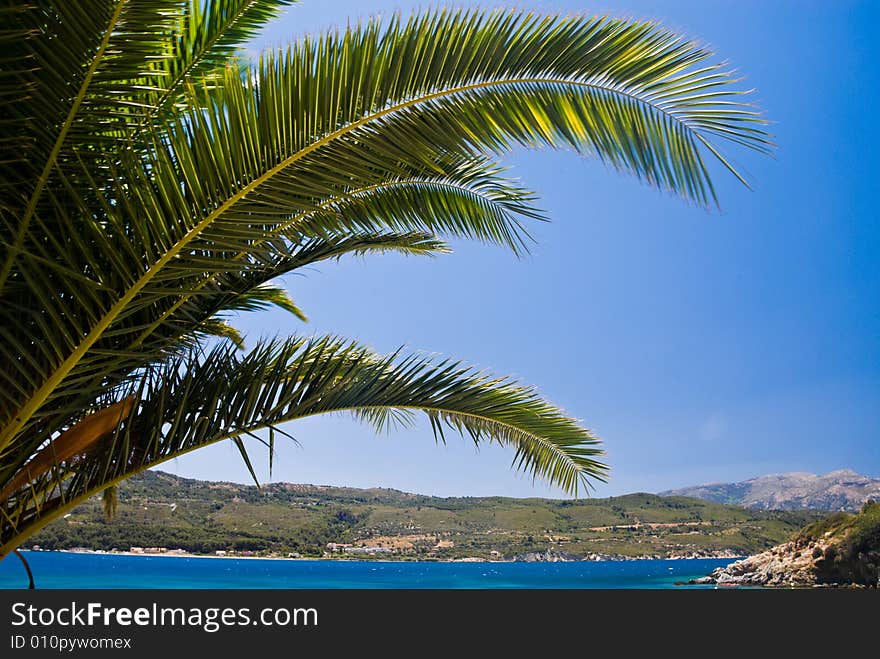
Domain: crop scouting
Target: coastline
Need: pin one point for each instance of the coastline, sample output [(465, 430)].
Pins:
[(82, 570), (360, 558)]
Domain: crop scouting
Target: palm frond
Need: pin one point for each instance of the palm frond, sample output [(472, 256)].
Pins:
[(70, 445), (219, 328), (249, 290), (471, 198), (147, 189), (205, 398), (210, 33), (86, 57)]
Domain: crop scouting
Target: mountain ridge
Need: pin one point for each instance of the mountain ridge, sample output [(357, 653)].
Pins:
[(838, 490)]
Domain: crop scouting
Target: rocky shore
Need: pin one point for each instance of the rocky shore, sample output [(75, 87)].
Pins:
[(787, 565), (843, 550), (556, 556)]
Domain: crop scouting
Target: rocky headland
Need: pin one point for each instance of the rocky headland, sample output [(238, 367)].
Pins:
[(842, 550)]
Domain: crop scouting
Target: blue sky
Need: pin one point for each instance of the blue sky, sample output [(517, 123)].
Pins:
[(700, 346)]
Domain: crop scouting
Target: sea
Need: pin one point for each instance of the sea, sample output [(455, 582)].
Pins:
[(113, 571)]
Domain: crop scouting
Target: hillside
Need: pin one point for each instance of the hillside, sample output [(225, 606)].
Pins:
[(843, 549), (161, 510), (842, 490)]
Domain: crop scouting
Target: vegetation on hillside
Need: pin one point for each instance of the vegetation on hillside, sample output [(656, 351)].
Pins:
[(852, 546), (161, 510)]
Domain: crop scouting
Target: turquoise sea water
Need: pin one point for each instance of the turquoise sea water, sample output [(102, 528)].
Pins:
[(71, 570)]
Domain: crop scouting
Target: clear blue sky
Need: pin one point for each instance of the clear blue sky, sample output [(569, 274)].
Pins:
[(700, 346)]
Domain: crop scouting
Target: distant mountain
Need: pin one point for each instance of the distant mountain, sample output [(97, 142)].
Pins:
[(837, 490)]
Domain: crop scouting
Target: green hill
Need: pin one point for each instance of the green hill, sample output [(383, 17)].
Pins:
[(161, 510)]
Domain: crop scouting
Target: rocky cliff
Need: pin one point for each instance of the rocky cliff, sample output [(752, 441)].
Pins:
[(842, 550)]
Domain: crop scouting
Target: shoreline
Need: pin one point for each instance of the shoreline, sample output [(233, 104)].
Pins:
[(469, 559)]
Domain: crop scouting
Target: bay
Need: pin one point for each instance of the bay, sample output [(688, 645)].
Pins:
[(113, 571)]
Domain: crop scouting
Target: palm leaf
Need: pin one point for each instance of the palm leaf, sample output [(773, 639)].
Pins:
[(205, 398), (151, 186), (210, 33), (471, 199), (365, 106), (70, 445), (85, 60)]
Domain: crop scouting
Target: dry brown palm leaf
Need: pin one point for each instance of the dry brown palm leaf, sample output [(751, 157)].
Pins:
[(71, 444)]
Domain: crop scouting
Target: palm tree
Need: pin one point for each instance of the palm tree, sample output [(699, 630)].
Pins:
[(153, 184)]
